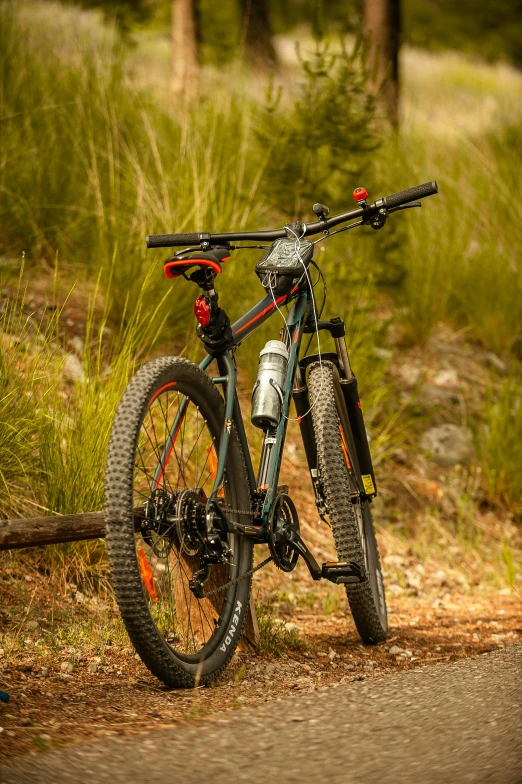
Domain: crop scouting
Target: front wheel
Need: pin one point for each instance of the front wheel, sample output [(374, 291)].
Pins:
[(351, 523), (161, 467)]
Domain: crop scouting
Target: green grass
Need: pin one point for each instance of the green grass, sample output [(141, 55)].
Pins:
[(274, 637), (499, 441), (95, 154)]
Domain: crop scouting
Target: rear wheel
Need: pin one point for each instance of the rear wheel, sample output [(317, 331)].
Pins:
[(352, 524), (160, 469)]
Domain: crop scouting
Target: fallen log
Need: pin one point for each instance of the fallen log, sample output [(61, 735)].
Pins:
[(40, 531)]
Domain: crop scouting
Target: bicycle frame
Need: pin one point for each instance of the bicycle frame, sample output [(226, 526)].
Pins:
[(272, 452)]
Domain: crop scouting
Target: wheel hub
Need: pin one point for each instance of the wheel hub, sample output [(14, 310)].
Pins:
[(157, 528), (190, 521)]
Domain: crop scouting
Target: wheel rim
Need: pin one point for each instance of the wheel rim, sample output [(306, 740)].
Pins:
[(175, 464)]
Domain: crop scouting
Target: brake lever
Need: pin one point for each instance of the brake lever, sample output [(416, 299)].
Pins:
[(405, 206)]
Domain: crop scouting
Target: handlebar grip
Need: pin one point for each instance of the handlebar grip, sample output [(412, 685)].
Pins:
[(411, 194), (172, 240)]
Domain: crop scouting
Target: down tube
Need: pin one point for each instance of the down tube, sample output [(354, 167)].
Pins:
[(294, 323)]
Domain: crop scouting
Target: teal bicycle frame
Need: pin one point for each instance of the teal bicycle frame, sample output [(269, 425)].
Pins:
[(272, 452)]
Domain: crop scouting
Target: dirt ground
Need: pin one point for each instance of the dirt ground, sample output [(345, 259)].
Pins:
[(114, 694)]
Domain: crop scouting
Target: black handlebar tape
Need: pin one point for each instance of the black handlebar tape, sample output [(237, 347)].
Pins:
[(173, 240), (411, 194)]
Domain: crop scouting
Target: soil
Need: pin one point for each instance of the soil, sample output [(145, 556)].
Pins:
[(118, 696)]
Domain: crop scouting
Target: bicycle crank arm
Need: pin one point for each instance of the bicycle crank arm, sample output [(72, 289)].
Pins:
[(293, 538)]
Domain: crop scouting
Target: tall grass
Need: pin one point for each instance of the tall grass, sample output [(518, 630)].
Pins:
[(93, 156), (500, 441)]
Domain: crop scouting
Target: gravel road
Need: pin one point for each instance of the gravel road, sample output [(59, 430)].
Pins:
[(444, 724)]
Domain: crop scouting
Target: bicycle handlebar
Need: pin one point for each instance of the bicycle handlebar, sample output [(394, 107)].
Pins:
[(366, 212)]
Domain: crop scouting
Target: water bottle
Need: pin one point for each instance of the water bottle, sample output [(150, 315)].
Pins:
[(268, 392)]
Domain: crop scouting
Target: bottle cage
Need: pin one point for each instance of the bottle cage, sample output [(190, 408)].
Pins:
[(176, 265)]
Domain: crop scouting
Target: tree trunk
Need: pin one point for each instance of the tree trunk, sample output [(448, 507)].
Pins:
[(257, 34), (185, 63), (382, 29)]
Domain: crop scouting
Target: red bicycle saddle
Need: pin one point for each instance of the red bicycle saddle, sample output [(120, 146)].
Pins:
[(175, 266)]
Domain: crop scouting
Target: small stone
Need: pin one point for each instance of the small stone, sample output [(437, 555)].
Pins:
[(331, 654), (394, 650), (73, 368), (77, 344), (25, 721), (92, 668), (349, 666), (2, 652), (448, 445), (446, 378), (67, 667), (10, 733), (418, 652), (382, 353)]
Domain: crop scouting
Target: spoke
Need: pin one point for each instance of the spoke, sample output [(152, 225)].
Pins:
[(195, 444), (167, 438)]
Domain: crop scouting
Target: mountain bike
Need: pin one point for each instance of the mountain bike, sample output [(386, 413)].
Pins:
[(184, 507)]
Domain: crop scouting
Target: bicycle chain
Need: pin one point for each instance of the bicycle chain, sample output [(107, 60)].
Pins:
[(237, 579), (250, 572)]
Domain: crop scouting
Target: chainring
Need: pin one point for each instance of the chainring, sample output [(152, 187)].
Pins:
[(282, 521)]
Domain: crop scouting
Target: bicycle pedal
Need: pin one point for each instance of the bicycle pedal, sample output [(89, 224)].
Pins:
[(342, 572)]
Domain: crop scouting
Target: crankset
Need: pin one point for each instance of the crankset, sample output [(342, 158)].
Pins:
[(285, 545)]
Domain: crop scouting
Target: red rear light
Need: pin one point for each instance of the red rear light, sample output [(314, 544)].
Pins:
[(202, 310), (360, 193)]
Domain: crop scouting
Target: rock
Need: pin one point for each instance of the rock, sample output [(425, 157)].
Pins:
[(67, 667), (77, 345), (409, 374), (413, 579), (2, 652), (446, 378), (292, 627), (394, 650), (436, 396), (72, 368), (80, 598), (92, 668), (448, 445), (45, 672), (349, 666), (331, 654), (382, 353)]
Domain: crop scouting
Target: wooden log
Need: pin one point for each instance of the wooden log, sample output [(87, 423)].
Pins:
[(39, 531)]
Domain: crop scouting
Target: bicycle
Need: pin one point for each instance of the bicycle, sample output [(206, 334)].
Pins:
[(183, 505)]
